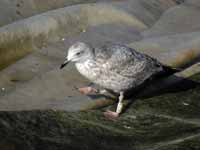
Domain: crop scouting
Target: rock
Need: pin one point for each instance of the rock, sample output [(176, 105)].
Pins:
[(178, 19), (160, 122), (149, 11), (39, 105), (176, 50), (15, 10), (193, 2), (22, 37), (40, 70)]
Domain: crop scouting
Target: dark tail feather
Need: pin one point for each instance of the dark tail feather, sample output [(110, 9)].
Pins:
[(167, 71)]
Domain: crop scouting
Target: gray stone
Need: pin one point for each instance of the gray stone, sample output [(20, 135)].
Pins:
[(179, 19), (40, 108)]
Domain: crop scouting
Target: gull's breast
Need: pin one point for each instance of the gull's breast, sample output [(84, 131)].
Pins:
[(88, 69), (103, 77)]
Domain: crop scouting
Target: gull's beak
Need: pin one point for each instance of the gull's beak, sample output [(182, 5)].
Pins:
[(64, 64)]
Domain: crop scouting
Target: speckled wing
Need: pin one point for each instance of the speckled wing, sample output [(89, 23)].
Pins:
[(127, 62)]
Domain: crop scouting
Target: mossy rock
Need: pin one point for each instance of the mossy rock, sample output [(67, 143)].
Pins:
[(167, 121)]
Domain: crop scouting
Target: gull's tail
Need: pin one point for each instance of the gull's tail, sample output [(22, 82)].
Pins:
[(169, 70), (166, 71)]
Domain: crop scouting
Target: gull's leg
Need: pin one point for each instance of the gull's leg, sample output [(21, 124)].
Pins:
[(120, 104), (87, 90), (114, 115), (91, 88)]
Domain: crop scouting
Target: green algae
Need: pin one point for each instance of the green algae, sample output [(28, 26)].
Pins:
[(89, 130), (169, 120)]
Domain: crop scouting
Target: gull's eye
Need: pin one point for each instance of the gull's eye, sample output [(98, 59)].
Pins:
[(78, 53)]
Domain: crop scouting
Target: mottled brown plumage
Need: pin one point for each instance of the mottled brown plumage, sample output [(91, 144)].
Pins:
[(113, 66)]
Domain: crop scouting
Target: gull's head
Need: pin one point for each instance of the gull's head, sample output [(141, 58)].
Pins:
[(78, 52)]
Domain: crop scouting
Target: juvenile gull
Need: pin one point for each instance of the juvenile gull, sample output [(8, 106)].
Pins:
[(114, 67)]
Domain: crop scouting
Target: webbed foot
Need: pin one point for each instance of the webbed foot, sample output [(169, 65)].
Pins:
[(111, 115), (87, 90)]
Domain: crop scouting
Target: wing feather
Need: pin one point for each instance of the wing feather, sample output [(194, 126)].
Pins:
[(127, 62)]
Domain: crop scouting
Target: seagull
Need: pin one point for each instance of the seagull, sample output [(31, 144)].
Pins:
[(114, 67)]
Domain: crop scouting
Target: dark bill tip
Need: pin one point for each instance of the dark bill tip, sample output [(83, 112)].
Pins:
[(64, 64)]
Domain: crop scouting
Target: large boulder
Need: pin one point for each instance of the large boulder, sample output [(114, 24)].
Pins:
[(40, 107), (179, 19), (166, 121)]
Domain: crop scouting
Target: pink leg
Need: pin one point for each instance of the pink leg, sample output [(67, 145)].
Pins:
[(114, 115), (87, 90), (111, 115)]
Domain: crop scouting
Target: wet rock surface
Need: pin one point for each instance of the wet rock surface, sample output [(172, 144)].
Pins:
[(168, 121), (40, 107)]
